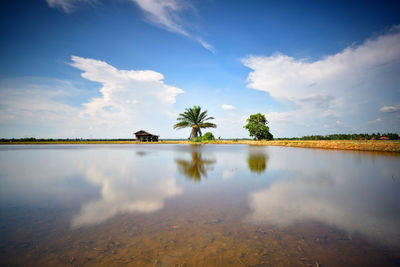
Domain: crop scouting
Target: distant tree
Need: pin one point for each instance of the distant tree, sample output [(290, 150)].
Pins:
[(257, 127), (193, 117)]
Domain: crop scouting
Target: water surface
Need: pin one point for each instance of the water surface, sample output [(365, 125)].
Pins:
[(201, 205)]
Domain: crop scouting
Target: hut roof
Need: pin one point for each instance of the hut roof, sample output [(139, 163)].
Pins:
[(143, 132)]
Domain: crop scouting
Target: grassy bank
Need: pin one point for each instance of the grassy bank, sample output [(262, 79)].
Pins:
[(371, 145)]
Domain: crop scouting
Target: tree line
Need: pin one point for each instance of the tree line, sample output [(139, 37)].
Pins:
[(359, 136)]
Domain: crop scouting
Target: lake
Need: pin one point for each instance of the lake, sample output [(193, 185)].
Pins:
[(197, 205)]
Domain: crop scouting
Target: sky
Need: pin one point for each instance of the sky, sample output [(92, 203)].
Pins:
[(109, 68)]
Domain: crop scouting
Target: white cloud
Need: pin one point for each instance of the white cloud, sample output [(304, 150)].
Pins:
[(129, 97), (162, 13), (344, 85), (375, 121), (166, 14), (228, 107), (129, 100), (67, 5), (387, 109)]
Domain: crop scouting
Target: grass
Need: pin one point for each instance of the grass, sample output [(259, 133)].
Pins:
[(359, 145)]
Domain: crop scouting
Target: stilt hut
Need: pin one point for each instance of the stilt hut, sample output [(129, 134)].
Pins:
[(144, 136)]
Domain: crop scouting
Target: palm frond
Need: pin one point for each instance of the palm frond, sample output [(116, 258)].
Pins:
[(208, 125), (182, 124)]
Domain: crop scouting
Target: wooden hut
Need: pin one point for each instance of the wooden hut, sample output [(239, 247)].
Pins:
[(144, 136)]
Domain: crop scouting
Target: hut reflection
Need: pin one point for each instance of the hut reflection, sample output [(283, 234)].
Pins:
[(257, 161), (196, 168)]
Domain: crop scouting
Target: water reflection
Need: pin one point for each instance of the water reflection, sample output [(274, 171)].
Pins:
[(126, 185), (142, 153), (333, 188), (257, 160), (196, 167), (45, 191)]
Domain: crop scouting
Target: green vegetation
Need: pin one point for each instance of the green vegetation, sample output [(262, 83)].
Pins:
[(257, 126), (208, 136), (360, 136), (193, 117)]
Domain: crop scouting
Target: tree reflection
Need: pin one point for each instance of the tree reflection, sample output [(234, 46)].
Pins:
[(257, 161), (195, 168)]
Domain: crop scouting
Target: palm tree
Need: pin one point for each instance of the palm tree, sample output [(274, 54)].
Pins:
[(193, 117)]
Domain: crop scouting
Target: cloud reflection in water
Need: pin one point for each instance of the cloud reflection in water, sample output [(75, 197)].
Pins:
[(126, 185), (331, 188)]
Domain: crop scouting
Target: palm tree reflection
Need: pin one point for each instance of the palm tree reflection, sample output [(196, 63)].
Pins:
[(195, 168), (257, 161)]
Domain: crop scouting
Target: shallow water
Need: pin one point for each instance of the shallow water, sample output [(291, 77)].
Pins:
[(202, 205)]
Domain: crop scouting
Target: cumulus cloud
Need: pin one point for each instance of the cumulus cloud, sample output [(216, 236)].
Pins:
[(67, 5), (128, 100), (344, 85), (166, 14), (128, 97), (228, 107), (386, 109)]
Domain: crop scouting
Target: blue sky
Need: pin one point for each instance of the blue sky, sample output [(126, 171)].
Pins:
[(105, 69)]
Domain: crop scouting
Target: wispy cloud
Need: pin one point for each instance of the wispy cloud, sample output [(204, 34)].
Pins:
[(228, 107), (68, 5), (167, 14), (341, 87)]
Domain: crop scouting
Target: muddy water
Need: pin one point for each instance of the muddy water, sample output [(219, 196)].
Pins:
[(213, 205)]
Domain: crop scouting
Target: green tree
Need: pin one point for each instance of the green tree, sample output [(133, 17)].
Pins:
[(257, 127), (193, 117)]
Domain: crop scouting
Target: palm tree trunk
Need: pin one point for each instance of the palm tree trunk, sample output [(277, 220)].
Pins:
[(193, 133)]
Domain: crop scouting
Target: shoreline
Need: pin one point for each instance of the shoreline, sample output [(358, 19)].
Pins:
[(356, 145)]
